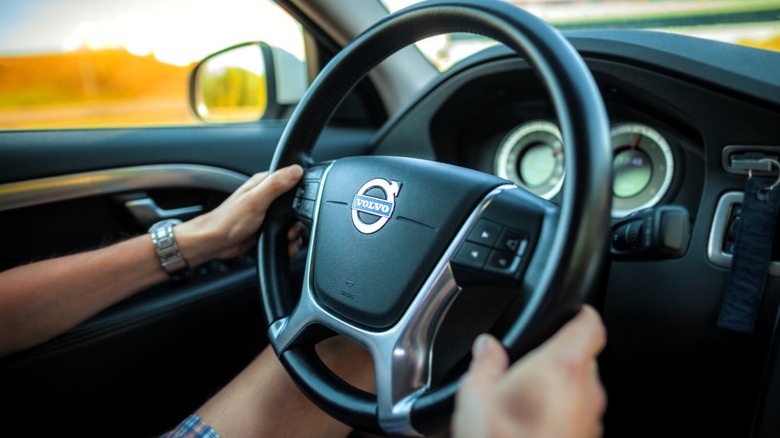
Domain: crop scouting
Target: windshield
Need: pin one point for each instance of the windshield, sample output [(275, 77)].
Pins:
[(754, 23)]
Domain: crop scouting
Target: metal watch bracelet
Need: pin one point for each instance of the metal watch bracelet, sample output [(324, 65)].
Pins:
[(164, 241)]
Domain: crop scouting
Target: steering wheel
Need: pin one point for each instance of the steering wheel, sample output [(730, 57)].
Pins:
[(391, 236)]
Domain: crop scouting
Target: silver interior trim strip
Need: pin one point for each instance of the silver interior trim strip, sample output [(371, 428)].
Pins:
[(718, 232), (102, 182)]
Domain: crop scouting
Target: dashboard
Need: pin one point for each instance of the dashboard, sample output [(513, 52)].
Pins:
[(677, 107), (499, 120)]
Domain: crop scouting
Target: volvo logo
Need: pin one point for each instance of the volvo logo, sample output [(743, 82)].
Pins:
[(373, 205)]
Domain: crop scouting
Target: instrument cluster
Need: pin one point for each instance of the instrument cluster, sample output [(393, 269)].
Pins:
[(531, 155)]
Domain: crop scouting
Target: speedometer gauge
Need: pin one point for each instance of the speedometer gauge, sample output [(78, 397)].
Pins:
[(643, 167), (532, 157)]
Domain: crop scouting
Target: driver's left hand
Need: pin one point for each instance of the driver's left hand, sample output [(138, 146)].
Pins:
[(230, 229)]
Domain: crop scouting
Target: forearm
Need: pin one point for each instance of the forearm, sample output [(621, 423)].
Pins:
[(263, 400), (41, 300)]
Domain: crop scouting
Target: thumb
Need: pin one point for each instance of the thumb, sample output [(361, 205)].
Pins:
[(490, 359), (476, 401), (584, 335)]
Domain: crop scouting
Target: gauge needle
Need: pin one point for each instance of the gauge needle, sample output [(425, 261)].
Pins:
[(557, 152), (635, 141)]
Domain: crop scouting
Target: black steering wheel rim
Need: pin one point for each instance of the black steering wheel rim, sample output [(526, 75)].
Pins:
[(581, 233)]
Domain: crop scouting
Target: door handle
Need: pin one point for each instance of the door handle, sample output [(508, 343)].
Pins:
[(147, 212)]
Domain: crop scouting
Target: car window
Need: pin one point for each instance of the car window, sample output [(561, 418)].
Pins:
[(86, 63), (752, 23)]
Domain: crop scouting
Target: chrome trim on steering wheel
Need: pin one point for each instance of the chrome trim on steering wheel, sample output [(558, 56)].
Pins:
[(401, 354)]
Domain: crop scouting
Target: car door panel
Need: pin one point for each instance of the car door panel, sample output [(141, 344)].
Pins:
[(162, 352)]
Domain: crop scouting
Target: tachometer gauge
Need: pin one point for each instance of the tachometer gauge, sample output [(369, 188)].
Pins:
[(532, 157), (643, 168)]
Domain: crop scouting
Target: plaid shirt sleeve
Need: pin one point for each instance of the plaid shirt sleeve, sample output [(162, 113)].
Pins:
[(192, 427)]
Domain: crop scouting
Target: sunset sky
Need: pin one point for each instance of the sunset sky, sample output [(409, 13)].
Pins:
[(175, 31)]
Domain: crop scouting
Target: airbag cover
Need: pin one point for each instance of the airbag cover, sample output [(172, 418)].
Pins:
[(369, 277)]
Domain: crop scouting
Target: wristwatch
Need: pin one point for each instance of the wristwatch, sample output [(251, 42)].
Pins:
[(165, 244)]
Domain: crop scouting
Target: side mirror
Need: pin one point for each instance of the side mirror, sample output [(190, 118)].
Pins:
[(247, 82)]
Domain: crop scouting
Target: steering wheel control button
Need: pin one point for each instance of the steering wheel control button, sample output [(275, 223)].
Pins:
[(304, 208), (472, 255), (484, 232), (307, 208), (512, 241), (502, 262), (493, 249), (310, 190), (313, 173), (306, 193), (373, 204)]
